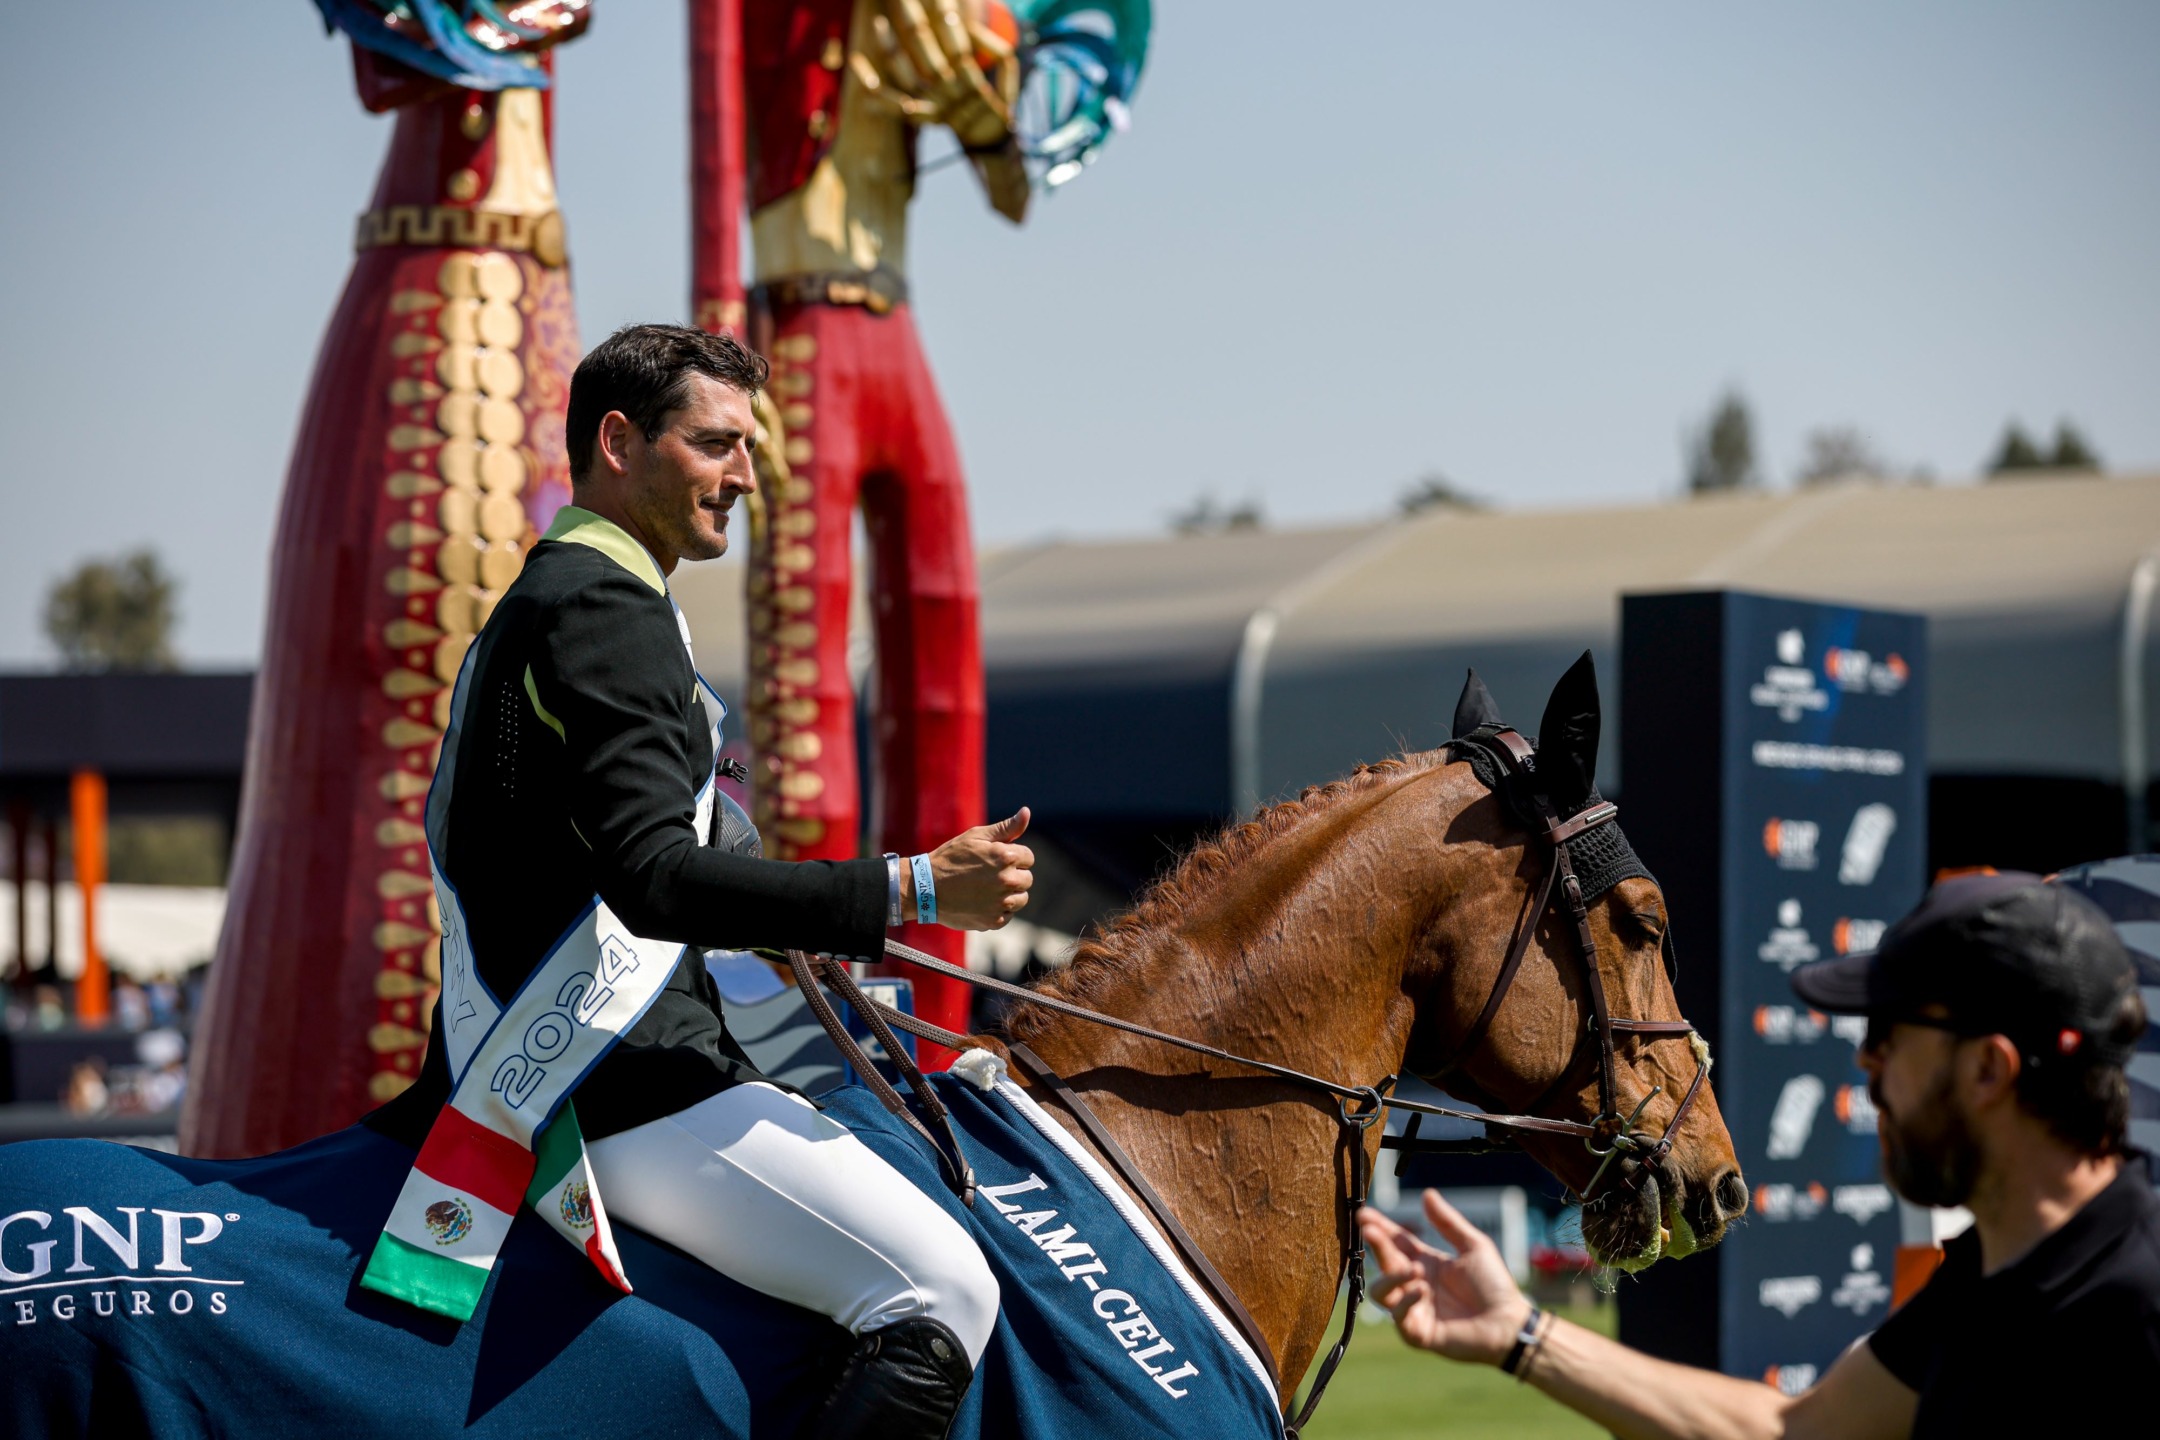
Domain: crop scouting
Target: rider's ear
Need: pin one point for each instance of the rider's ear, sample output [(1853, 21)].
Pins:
[(1568, 737), (1475, 708)]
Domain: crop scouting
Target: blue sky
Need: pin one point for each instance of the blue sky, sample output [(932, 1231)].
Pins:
[(1342, 245)]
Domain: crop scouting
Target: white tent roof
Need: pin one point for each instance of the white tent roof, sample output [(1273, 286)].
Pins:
[(1351, 641)]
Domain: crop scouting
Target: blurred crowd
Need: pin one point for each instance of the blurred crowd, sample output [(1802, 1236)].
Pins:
[(156, 1014)]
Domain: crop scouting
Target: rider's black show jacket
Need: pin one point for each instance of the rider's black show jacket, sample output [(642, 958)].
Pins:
[(582, 750)]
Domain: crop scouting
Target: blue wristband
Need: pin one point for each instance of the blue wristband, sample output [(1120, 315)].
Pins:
[(925, 891)]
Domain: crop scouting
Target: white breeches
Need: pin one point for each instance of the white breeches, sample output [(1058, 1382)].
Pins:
[(761, 1186)]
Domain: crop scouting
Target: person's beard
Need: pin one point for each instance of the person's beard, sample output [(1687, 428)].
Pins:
[(1929, 1156)]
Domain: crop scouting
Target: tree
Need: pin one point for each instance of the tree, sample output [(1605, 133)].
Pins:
[(1434, 491), (1210, 516), (1840, 452), (113, 615), (2017, 452), (2071, 451), (1721, 455)]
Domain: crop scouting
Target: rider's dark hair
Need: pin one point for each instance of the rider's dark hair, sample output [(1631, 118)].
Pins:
[(2087, 1105), (644, 371)]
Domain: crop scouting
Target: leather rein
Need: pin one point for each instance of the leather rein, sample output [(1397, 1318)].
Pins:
[(1357, 1107)]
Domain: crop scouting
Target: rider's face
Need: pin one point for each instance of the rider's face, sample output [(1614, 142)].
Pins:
[(679, 486)]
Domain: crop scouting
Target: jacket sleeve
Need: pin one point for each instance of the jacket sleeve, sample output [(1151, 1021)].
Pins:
[(610, 675)]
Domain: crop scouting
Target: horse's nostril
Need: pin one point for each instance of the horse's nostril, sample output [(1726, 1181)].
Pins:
[(1732, 1195)]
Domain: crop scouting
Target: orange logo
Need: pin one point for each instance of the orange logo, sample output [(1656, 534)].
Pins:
[(1848, 935)]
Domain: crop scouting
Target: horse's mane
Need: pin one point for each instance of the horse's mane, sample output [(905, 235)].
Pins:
[(1098, 957)]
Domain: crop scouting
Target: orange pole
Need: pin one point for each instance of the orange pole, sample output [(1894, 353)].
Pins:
[(93, 993)]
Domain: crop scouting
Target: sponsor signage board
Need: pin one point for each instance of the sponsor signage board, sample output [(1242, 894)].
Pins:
[(1773, 775)]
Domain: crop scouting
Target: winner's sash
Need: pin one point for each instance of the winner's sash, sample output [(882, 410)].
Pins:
[(510, 1134)]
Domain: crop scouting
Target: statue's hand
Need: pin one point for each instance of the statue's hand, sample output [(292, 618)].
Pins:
[(931, 57)]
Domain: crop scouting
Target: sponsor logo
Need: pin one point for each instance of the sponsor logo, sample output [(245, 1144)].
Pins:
[(1789, 1294), (1861, 1203), (1852, 1029), (1856, 670), (1788, 944), (577, 1205), (1862, 1289), (1790, 1379), (1792, 755), (1789, 1024), (1855, 1109), (449, 1221), (1792, 1119), (1850, 937), (1120, 1313), (1791, 842), (1789, 687), (1865, 841), (172, 1285), (1778, 1202)]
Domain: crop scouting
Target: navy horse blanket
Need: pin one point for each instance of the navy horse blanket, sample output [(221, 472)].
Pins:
[(142, 1293)]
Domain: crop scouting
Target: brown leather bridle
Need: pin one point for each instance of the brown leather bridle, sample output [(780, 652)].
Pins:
[(1610, 1133), (1358, 1107)]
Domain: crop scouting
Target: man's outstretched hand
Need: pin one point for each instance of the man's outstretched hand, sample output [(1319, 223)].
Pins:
[(983, 875), (1465, 1306)]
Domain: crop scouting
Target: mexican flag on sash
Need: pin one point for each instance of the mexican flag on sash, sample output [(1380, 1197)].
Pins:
[(510, 1135), (450, 1219)]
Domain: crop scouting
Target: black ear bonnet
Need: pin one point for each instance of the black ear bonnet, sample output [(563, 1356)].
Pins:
[(1601, 856)]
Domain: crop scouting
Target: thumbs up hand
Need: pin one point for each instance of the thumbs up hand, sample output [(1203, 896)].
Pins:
[(983, 874)]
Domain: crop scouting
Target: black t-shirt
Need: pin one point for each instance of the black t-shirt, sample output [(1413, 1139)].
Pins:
[(2065, 1338), (582, 746)]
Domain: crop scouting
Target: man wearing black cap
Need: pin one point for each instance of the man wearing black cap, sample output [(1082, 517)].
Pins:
[(2001, 1013)]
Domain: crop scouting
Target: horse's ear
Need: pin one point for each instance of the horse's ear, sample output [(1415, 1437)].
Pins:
[(1475, 708), (1568, 737)]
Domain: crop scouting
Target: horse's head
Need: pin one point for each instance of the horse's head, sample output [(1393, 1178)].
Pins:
[(1529, 1042)]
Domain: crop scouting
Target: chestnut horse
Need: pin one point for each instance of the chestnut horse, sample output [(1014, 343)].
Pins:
[(1343, 933)]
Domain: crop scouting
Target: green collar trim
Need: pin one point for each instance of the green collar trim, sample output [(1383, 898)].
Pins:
[(575, 526)]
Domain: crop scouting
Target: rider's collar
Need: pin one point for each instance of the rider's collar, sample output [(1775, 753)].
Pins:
[(575, 525)]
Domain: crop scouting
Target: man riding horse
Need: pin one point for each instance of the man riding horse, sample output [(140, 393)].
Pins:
[(573, 829)]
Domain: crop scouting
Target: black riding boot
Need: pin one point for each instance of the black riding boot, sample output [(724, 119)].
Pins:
[(904, 1382)]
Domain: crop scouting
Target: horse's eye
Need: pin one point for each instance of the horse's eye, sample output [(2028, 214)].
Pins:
[(1650, 922)]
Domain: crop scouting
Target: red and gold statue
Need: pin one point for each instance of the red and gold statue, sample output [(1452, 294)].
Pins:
[(430, 453), (832, 97)]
